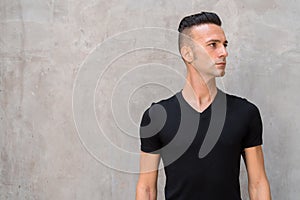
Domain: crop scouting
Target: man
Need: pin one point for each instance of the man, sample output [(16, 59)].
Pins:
[(201, 132)]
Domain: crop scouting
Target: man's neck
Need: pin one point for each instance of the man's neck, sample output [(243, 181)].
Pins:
[(199, 92)]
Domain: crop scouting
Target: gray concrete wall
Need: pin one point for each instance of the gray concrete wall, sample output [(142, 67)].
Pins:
[(74, 83)]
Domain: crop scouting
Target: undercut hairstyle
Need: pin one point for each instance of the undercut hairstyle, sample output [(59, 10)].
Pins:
[(199, 18), (194, 20)]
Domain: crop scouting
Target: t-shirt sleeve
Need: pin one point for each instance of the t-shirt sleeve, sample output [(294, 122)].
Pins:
[(150, 131), (255, 129)]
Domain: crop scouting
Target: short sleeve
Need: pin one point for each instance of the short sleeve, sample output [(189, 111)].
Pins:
[(150, 131), (255, 129)]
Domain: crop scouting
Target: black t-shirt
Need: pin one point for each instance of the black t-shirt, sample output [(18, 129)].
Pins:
[(177, 132)]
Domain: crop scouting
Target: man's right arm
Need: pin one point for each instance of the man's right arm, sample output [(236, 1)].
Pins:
[(146, 188)]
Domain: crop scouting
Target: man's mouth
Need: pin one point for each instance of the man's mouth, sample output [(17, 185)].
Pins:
[(221, 64)]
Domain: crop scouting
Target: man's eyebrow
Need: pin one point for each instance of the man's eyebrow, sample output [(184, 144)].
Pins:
[(213, 40)]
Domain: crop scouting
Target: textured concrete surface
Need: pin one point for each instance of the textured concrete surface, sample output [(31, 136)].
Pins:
[(45, 45)]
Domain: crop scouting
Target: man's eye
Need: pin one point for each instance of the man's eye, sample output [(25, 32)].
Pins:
[(212, 44), (225, 45)]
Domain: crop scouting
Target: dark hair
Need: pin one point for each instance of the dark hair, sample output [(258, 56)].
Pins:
[(199, 18)]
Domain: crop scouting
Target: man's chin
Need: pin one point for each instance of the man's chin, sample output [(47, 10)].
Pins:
[(221, 73)]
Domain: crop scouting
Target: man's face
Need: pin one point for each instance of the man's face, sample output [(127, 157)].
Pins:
[(209, 50)]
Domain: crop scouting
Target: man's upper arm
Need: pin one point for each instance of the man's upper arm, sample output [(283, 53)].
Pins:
[(150, 127), (146, 186), (148, 168), (254, 161)]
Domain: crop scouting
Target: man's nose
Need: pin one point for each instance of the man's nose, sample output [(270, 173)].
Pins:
[(223, 52)]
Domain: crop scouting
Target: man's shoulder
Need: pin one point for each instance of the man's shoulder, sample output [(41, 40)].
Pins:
[(166, 102), (163, 105), (240, 102), (157, 113)]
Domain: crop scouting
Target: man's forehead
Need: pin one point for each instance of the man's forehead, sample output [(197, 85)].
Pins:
[(207, 32)]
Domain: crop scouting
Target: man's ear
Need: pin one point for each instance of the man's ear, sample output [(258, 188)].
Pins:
[(187, 54)]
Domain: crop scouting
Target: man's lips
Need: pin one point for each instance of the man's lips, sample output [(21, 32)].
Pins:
[(221, 64)]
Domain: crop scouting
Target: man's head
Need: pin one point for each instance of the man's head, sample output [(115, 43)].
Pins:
[(202, 43)]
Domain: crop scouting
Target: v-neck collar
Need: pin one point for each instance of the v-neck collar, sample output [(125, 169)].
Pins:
[(185, 103)]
